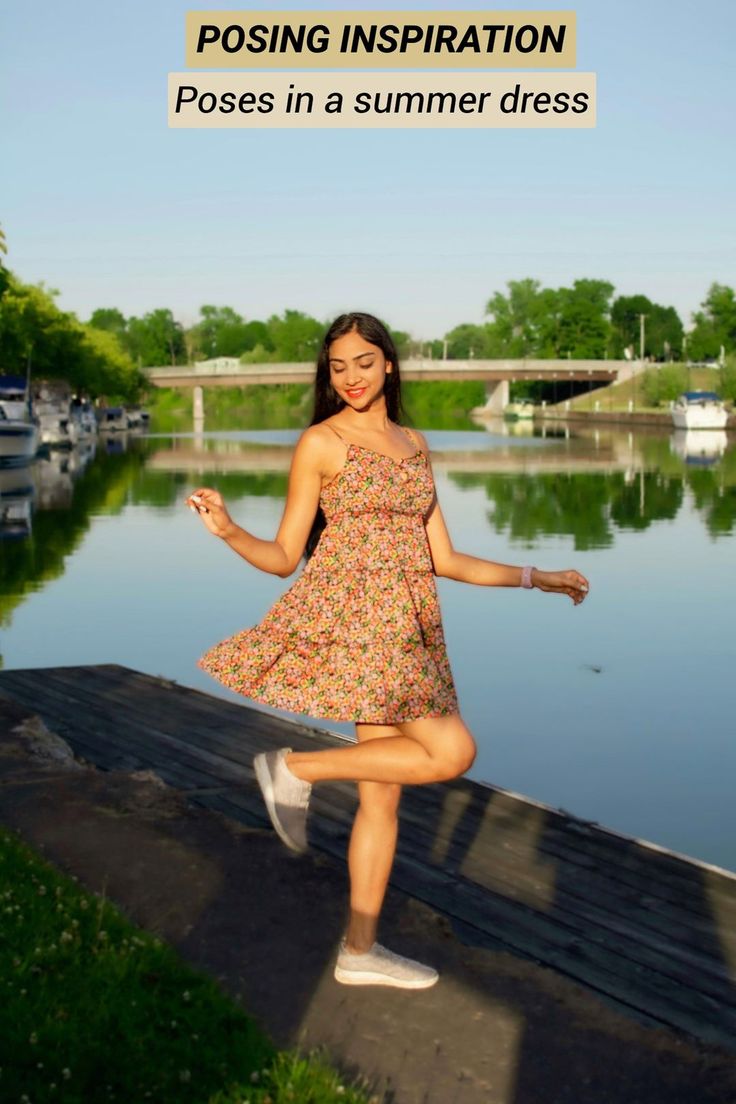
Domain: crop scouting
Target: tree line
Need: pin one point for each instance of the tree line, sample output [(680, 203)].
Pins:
[(581, 322), (108, 353)]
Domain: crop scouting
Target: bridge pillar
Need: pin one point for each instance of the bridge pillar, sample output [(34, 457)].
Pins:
[(198, 402), (497, 395)]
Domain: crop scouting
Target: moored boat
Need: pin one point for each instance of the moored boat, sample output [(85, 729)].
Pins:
[(514, 410), (111, 418), (83, 415), (19, 428), (699, 410), (52, 403)]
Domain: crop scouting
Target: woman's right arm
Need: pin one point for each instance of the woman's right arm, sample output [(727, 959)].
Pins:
[(281, 555)]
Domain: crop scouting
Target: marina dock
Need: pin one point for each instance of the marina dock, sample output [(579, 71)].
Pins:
[(650, 932)]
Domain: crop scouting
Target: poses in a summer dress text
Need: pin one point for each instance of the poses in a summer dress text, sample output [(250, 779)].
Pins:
[(359, 635)]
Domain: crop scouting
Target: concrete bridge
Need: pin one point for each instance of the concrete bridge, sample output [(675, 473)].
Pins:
[(229, 372)]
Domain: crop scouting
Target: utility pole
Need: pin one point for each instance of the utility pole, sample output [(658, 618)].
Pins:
[(641, 350)]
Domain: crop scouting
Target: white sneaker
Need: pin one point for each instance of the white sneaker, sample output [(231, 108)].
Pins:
[(286, 797), (379, 966)]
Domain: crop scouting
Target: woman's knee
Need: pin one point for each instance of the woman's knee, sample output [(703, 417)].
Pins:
[(449, 743), (380, 798), (455, 760)]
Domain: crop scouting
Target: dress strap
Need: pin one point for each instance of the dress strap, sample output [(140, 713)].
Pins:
[(410, 435), (335, 431), (407, 431)]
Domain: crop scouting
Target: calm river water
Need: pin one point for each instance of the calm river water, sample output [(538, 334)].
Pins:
[(619, 710)]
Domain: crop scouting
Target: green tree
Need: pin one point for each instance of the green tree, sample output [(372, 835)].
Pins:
[(107, 368), (659, 385), (295, 336), (662, 330), (583, 324), (4, 274), (516, 318), (156, 339), (532, 321), (401, 340), (31, 323), (466, 337), (715, 324), (221, 331), (60, 346), (111, 319), (256, 333)]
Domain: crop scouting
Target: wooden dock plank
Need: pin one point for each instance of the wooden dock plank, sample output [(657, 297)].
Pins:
[(503, 873), (162, 762), (496, 862), (632, 922), (564, 835)]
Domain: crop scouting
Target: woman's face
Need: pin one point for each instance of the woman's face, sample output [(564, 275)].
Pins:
[(357, 370)]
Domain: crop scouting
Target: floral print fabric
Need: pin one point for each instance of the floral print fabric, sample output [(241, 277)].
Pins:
[(358, 636)]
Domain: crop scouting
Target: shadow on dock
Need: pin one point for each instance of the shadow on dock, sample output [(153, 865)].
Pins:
[(576, 964)]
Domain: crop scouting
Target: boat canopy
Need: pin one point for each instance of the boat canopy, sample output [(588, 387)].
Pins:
[(10, 384), (694, 396)]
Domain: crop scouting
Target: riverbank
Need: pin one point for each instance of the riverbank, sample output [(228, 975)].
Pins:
[(614, 403), (559, 413), (497, 1029)]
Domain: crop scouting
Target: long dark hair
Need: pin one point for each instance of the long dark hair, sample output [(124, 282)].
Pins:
[(327, 402)]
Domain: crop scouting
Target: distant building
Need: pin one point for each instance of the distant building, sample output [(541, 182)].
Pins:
[(218, 365)]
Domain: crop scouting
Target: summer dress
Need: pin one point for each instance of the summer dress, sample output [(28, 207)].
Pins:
[(358, 636)]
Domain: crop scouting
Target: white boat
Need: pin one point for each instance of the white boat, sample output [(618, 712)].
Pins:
[(699, 410), (83, 415), (19, 428), (52, 403), (518, 410), (137, 418)]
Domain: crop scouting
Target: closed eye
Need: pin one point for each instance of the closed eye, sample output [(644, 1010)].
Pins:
[(363, 364)]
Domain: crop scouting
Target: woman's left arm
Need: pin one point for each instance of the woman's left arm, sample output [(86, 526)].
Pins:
[(472, 569)]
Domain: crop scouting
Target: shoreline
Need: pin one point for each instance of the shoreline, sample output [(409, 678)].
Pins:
[(622, 416)]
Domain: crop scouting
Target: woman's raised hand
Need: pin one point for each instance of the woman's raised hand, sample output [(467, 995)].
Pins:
[(562, 582), (209, 505)]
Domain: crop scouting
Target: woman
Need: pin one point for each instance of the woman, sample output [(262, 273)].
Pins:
[(359, 635)]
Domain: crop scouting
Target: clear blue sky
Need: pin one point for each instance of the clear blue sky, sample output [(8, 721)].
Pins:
[(101, 200)]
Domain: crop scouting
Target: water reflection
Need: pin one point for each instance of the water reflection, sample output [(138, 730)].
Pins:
[(699, 446), (540, 481), (99, 560)]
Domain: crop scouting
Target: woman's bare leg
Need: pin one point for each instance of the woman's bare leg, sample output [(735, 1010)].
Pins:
[(372, 847), (431, 749)]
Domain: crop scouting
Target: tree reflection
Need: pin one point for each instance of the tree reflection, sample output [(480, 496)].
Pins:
[(587, 507)]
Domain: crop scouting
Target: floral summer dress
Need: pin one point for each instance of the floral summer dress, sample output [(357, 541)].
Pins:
[(358, 636)]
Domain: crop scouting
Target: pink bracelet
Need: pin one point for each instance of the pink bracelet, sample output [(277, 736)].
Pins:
[(526, 577)]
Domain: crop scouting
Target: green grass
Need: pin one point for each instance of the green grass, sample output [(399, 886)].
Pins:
[(441, 404), (615, 397), (288, 405), (93, 1009)]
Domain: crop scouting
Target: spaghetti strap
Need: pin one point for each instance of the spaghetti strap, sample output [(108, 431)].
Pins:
[(338, 434), (407, 431)]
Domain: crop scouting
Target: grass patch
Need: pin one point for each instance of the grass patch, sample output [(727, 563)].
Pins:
[(94, 1009), (650, 391), (435, 404)]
